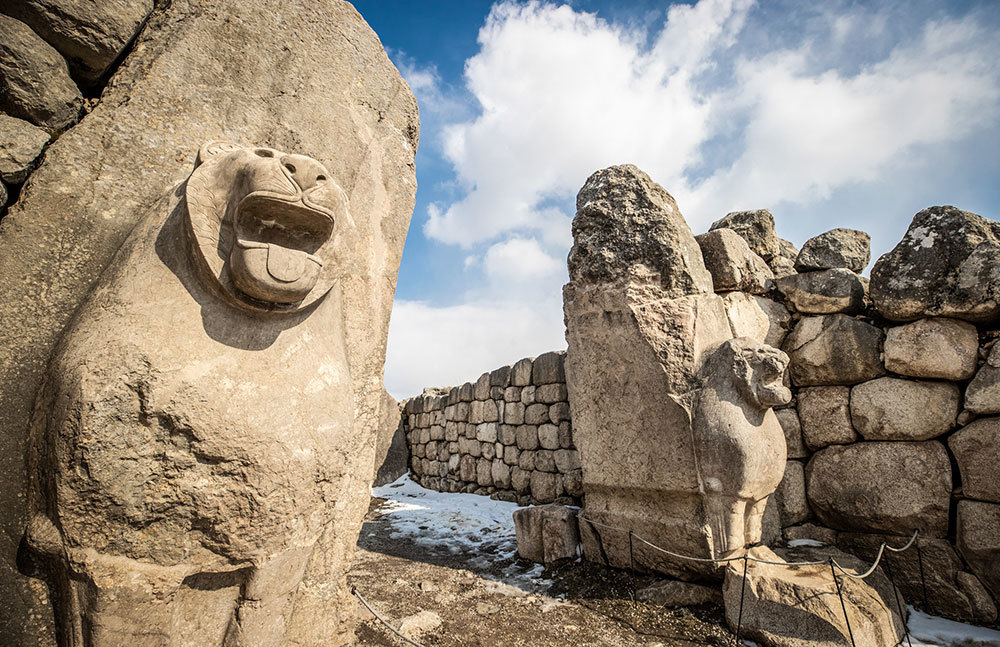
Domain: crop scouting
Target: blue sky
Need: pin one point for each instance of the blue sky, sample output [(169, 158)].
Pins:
[(830, 114)]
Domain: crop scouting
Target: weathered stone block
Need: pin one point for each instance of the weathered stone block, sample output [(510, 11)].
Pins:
[(882, 487), (546, 533), (500, 474), (482, 388), (545, 461), (520, 374), (566, 460), (528, 395), (824, 292), (825, 415), (983, 393), (790, 496), (526, 461), (794, 444), (548, 436), (732, 264), (756, 228), (513, 413), (834, 349), (893, 409), (837, 248), (20, 145), (559, 412), (551, 393), (758, 318), (548, 368), (520, 480), (527, 437), (938, 348), (511, 455), (545, 486), (976, 448), (536, 414), (977, 536), (484, 472)]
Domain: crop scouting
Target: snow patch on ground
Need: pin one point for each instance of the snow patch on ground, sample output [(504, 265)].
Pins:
[(804, 542), (932, 631), (467, 524)]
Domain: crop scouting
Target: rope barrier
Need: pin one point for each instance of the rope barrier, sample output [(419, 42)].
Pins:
[(356, 593)]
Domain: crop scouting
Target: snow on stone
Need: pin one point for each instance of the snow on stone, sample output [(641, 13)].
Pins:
[(932, 631)]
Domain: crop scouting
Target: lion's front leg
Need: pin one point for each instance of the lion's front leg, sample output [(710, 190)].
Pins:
[(265, 605)]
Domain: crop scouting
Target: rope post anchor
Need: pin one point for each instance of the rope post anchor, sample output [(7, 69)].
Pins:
[(843, 606), (743, 590)]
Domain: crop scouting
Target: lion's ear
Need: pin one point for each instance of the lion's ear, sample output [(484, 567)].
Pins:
[(213, 148)]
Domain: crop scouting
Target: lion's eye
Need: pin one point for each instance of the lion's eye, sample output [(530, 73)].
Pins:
[(263, 152)]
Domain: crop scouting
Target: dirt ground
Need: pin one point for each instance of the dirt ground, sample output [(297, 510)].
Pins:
[(509, 602)]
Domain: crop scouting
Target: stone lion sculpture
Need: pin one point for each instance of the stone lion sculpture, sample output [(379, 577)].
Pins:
[(738, 440), (193, 440)]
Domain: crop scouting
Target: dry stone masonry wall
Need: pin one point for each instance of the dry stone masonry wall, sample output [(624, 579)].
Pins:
[(507, 435)]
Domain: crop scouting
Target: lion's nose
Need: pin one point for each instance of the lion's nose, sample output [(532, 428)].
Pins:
[(306, 171)]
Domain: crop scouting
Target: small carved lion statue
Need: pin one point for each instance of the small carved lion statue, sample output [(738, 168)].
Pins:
[(193, 440), (739, 443)]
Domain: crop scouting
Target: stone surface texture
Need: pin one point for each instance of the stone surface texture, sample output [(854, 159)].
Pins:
[(799, 607), (732, 264), (116, 167), (976, 448), (938, 348), (893, 409), (392, 457), (946, 265), (34, 80), (978, 538), (825, 416), (20, 145), (678, 593), (837, 248), (983, 393), (882, 487), (756, 228), (90, 35), (824, 292), (834, 349), (546, 533), (757, 317)]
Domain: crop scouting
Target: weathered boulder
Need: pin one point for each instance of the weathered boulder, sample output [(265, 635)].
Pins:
[(798, 606), (546, 533), (549, 368), (628, 227), (882, 487), (784, 263), (983, 393), (90, 35), (732, 264), (391, 454), (99, 178), (825, 416), (34, 80), (757, 317), (937, 348), (756, 228), (677, 593), (976, 448), (977, 535), (837, 248), (824, 292), (945, 266), (950, 591), (790, 496), (893, 409), (834, 349), (790, 425), (20, 145)]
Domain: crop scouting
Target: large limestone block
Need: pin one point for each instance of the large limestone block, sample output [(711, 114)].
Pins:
[(546, 533), (976, 448), (977, 535), (834, 349), (785, 606), (983, 393), (882, 487), (939, 348), (757, 317), (837, 248), (391, 455), (756, 228), (793, 507), (20, 145), (893, 409), (825, 416), (945, 266), (732, 264), (34, 80), (951, 591), (89, 34), (627, 226), (102, 176), (671, 416), (824, 292), (790, 424)]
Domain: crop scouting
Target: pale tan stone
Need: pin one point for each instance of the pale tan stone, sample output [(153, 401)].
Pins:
[(546, 533), (937, 348), (825, 415), (795, 607), (976, 448), (824, 292), (789, 421), (521, 372), (732, 264), (977, 536), (982, 396), (834, 349), (790, 495), (20, 145), (757, 317), (893, 409)]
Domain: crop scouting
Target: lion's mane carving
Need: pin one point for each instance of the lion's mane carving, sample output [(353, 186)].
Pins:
[(738, 440)]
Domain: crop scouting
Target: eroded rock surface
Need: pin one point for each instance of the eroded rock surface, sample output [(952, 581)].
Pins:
[(945, 266), (732, 264), (976, 448), (837, 248), (893, 409), (834, 349), (20, 145), (936, 348), (824, 292)]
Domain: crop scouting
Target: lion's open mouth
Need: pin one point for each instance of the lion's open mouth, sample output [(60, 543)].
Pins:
[(273, 258)]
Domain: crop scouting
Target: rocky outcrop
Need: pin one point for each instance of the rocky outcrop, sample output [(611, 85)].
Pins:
[(882, 487), (837, 248), (34, 80), (798, 606), (100, 177), (945, 266), (91, 35)]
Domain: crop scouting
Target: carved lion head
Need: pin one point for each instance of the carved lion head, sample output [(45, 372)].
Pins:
[(262, 222), (756, 369)]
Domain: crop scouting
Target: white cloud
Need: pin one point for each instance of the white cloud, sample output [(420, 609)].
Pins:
[(519, 260), (447, 346)]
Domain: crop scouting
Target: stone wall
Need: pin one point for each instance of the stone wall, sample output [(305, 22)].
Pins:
[(507, 435)]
